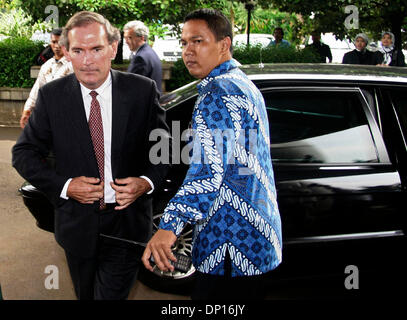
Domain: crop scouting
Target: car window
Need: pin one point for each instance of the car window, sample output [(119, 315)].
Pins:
[(399, 98), (319, 127)]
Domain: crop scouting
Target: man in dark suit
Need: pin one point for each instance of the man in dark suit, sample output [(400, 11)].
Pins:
[(322, 49), (97, 123), (143, 60)]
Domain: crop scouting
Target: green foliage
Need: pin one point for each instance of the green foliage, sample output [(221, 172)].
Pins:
[(16, 58), (257, 54), (247, 55), (16, 23), (117, 11), (179, 76), (265, 20), (329, 15), (155, 13)]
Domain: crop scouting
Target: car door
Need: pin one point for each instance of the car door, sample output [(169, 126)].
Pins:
[(337, 190)]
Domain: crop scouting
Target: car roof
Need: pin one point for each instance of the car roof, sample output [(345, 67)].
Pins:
[(302, 71), (324, 71)]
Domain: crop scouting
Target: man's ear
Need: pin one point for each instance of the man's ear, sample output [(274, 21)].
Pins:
[(226, 44), (114, 46), (66, 53)]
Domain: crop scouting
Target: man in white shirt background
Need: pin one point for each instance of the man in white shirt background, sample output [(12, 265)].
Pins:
[(54, 68)]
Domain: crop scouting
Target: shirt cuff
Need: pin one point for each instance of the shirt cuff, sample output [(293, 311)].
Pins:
[(65, 190), (172, 223), (150, 183), (29, 105)]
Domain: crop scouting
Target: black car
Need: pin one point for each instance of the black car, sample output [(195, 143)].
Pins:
[(339, 151)]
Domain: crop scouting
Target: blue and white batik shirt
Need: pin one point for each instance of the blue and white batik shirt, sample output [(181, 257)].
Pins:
[(229, 192)]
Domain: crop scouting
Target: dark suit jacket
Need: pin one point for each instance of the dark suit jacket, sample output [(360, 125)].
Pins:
[(147, 63), (367, 58), (397, 59), (59, 124), (323, 50)]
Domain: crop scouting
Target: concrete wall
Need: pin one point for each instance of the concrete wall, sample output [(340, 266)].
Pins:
[(11, 105), (12, 99)]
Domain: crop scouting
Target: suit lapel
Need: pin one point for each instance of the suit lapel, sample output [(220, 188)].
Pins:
[(120, 115)]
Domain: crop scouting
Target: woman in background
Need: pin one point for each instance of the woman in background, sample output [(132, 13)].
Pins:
[(391, 56)]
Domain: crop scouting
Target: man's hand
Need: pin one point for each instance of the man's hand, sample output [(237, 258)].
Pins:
[(24, 118), (160, 247), (86, 190), (128, 190)]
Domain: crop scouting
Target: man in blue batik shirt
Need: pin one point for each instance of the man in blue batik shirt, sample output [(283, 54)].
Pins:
[(228, 193)]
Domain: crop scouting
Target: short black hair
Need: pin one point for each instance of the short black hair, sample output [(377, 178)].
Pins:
[(56, 32), (279, 28), (217, 22)]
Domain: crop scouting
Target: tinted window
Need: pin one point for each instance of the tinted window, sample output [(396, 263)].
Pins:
[(399, 98), (318, 127)]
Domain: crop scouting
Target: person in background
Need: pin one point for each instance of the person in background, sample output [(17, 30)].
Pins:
[(229, 193), (321, 48), (391, 56), (44, 55), (54, 68), (143, 60), (361, 55), (278, 39)]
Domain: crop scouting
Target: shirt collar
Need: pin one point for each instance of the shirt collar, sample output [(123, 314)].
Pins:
[(223, 68), (62, 60), (220, 69), (138, 49), (101, 90)]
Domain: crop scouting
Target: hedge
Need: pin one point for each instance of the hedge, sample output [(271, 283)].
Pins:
[(248, 55), (257, 54), (179, 76), (17, 55)]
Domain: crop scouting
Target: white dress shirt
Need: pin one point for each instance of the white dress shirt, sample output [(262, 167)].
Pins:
[(52, 69), (104, 98)]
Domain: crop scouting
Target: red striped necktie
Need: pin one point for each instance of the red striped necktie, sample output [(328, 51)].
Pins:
[(96, 132)]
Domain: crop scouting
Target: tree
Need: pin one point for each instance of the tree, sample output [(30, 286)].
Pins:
[(375, 16), (118, 12), (154, 13), (14, 22), (264, 20)]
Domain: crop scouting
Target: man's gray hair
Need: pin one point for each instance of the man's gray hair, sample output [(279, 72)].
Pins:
[(139, 28), (84, 18)]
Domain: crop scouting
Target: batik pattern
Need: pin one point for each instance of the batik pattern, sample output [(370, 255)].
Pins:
[(229, 192)]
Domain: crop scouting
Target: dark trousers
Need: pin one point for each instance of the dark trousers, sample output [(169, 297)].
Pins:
[(112, 272), (213, 287)]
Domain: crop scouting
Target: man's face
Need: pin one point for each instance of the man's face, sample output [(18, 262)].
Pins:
[(90, 54), (56, 48), (360, 44), (133, 41), (200, 50), (316, 38), (278, 35)]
